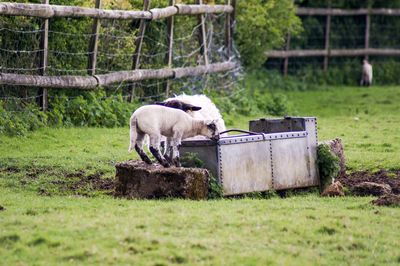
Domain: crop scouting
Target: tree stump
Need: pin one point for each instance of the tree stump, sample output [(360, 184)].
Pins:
[(136, 179), (334, 190)]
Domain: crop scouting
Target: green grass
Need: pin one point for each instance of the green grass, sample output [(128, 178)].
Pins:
[(367, 119), (300, 230), (78, 224)]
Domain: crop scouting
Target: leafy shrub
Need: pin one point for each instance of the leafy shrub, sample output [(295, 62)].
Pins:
[(191, 160), (97, 109), (328, 165), (91, 109), (215, 190), (253, 99)]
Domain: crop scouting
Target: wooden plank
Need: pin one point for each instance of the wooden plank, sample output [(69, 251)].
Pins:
[(161, 13), (134, 75), (57, 82), (203, 9), (92, 82), (44, 47), (228, 43), (334, 52), (367, 30), (202, 70), (170, 40), (302, 11), (327, 41), (138, 47), (202, 36), (93, 44), (286, 61), (51, 11)]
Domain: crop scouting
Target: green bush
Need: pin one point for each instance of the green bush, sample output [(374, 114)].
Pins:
[(252, 98), (91, 109), (97, 109), (328, 165)]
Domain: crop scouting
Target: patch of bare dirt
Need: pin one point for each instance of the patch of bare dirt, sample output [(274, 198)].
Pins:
[(388, 200), (58, 181), (354, 180)]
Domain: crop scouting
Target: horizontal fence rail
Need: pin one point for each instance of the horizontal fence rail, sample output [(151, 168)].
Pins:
[(53, 11), (92, 82), (301, 11), (334, 52)]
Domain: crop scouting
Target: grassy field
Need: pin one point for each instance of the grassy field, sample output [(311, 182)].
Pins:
[(51, 217)]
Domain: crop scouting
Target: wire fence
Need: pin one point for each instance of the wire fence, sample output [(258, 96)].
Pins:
[(335, 39), (68, 53)]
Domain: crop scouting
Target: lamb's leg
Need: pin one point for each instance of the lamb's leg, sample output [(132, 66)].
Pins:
[(155, 150), (168, 153), (176, 142), (139, 150)]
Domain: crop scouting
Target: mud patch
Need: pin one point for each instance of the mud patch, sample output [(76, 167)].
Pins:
[(49, 181), (353, 180), (388, 200), (95, 181), (80, 183)]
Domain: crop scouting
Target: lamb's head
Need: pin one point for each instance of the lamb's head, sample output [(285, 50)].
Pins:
[(179, 105), (210, 129)]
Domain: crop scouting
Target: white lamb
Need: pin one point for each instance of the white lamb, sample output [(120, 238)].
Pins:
[(197, 106), (366, 78), (157, 121)]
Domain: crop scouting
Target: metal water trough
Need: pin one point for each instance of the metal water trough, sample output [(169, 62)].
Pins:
[(276, 154)]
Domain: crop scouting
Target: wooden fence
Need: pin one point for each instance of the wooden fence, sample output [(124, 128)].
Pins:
[(46, 11), (327, 51)]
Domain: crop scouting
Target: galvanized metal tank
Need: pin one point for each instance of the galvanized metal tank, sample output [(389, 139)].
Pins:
[(277, 154)]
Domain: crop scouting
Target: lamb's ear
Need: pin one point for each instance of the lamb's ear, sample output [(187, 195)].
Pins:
[(160, 103), (188, 107)]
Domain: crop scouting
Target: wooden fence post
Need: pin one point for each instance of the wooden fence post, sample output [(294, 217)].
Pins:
[(138, 44), (286, 61), (229, 27), (93, 44), (367, 29), (170, 39), (327, 41), (44, 46), (202, 36)]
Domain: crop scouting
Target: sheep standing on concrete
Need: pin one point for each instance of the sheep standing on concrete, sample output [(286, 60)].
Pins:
[(157, 121), (366, 78)]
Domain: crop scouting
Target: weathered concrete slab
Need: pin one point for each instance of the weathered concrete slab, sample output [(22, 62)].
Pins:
[(136, 179)]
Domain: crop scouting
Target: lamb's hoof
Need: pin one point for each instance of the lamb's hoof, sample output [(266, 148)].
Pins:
[(169, 160), (148, 161), (177, 163), (166, 165)]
